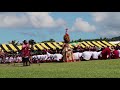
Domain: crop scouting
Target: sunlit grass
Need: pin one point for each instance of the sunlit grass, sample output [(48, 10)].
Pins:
[(83, 69)]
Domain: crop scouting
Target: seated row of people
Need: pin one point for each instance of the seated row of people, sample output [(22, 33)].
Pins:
[(46, 58), (10, 59), (79, 53), (105, 53)]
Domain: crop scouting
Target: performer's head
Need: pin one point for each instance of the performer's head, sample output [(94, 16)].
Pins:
[(25, 41)]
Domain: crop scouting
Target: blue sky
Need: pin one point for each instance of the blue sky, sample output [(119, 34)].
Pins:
[(42, 26)]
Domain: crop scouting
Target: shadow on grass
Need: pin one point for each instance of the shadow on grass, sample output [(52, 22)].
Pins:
[(12, 65), (21, 64)]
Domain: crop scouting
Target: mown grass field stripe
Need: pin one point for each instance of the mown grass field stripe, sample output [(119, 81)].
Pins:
[(83, 69)]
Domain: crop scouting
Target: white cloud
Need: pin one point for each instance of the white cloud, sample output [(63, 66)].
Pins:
[(41, 19), (108, 23), (98, 16), (34, 19), (81, 25), (60, 22), (12, 20)]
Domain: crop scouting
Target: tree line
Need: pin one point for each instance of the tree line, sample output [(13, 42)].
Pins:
[(99, 39), (32, 42)]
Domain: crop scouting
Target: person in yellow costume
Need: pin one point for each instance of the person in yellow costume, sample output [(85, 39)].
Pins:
[(67, 51)]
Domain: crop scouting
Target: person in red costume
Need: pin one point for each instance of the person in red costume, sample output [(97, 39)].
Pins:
[(115, 53), (106, 53), (25, 53)]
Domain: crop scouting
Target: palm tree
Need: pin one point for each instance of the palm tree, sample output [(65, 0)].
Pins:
[(79, 40), (32, 42), (51, 40), (14, 42)]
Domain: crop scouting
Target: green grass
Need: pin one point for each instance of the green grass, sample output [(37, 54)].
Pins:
[(83, 69)]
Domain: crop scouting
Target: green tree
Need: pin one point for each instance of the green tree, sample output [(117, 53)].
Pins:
[(51, 40), (14, 42), (32, 42), (79, 40)]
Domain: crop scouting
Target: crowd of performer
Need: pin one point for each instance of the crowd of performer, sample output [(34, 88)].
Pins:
[(79, 54)]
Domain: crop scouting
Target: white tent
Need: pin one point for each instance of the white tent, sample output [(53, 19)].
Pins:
[(114, 42)]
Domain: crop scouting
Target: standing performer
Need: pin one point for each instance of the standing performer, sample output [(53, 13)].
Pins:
[(2, 56), (31, 43), (25, 53), (67, 51)]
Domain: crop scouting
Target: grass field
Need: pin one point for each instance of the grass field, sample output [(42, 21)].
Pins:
[(83, 69)]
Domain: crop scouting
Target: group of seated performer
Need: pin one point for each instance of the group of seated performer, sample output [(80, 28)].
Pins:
[(79, 54), (48, 57), (13, 59), (94, 53)]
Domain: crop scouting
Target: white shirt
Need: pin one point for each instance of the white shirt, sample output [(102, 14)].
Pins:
[(77, 55), (19, 58), (14, 58), (11, 59), (35, 57), (87, 55), (7, 58), (38, 56), (58, 57), (48, 54), (42, 57), (95, 55)]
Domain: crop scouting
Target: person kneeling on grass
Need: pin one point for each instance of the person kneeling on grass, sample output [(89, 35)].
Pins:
[(115, 53), (106, 53), (25, 53)]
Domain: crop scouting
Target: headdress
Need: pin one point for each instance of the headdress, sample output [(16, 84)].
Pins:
[(66, 37)]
